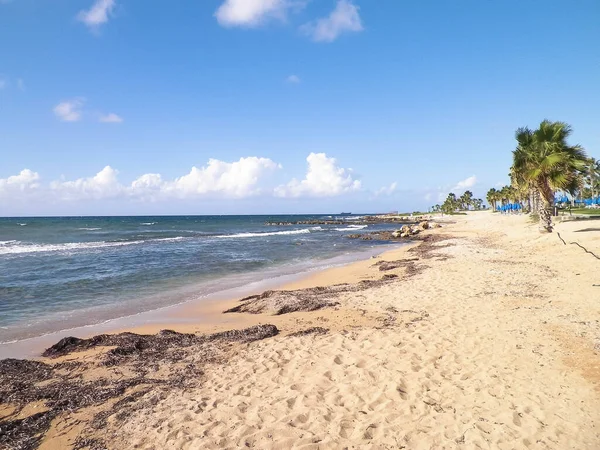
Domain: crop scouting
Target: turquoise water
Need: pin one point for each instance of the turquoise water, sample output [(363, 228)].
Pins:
[(63, 272)]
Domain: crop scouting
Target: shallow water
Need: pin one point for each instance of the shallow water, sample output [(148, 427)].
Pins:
[(58, 273)]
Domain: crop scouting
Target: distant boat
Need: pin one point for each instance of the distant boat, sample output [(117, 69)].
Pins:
[(345, 214)]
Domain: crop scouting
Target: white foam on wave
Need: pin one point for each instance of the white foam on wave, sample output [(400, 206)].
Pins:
[(351, 227), (148, 223), (19, 247), (89, 229), (172, 239), (21, 224), (267, 233)]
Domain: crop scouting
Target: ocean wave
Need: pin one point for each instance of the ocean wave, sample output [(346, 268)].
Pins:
[(267, 233), (89, 229), (19, 247), (351, 227), (21, 224), (169, 239), (148, 223), (348, 219)]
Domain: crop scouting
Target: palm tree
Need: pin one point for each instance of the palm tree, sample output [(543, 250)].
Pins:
[(466, 200), (593, 175), (545, 159), (492, 198)]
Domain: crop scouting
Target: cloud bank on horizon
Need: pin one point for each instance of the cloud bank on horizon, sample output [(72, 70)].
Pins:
[(246, 177)]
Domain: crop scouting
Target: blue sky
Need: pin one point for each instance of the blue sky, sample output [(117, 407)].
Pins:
[(106, 106)]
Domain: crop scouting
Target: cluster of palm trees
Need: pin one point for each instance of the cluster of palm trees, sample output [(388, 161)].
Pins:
[(507, 194), (544, 163), (463, 203)]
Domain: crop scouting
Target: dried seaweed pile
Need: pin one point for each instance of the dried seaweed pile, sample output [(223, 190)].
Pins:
[(430, 246), (138, 363), (309, 299), (409, 264), (308, 331), (392, 316)]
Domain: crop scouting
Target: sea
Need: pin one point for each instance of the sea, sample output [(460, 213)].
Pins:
[(58, 273)]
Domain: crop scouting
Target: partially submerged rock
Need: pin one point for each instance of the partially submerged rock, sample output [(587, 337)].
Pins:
[(404, 232)]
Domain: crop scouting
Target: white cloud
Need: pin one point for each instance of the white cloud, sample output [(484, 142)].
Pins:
[(70, 110), (293, 79), (465, 184), (386, 190), (110, 118), (323, 179), (246, 177), (102, 185), (26, 180), (344, 18), (236, 179), (98, 14), (428, 196), (251, 13)]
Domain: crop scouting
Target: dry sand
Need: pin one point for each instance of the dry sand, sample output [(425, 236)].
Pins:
[(490, 340)]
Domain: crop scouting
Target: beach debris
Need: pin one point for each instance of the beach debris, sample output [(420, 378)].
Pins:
[(128, 343), (430, 246), (312, 330), (391, 265), (133, 369), (309, 299)]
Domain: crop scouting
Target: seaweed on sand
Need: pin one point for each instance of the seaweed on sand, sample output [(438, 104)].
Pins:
[(312, 330), (139, 363), (309, 299), (391, 265), (131, 343), (409, 264), (430, 244)]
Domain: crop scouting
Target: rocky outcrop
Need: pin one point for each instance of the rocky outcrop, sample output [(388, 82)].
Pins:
[(364, 220), (405, 232)]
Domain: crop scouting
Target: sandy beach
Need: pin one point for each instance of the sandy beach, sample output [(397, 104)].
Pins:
[(485, 334)]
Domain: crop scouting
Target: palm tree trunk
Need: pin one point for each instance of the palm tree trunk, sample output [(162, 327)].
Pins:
[(544, 209), (536, 199)]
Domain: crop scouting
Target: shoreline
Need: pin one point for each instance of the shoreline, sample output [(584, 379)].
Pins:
[(205, 310), (486, 335)]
